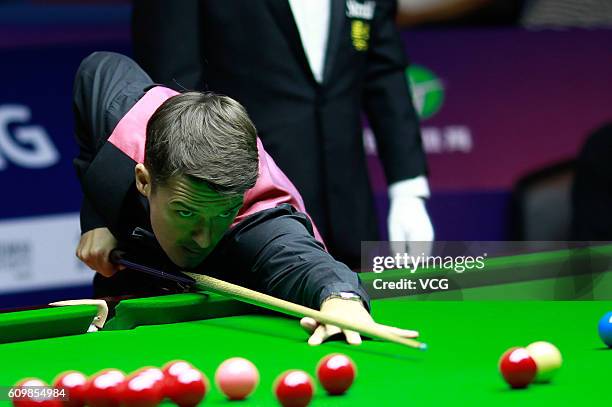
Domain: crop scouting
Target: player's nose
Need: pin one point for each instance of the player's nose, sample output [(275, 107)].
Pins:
[(202, 237)]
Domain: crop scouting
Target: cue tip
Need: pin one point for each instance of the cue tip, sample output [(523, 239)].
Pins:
[(423, 346)]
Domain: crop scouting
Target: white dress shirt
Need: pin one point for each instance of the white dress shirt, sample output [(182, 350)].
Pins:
[(312, 20)]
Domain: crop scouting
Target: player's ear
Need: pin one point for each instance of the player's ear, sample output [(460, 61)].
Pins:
[(143, 179)]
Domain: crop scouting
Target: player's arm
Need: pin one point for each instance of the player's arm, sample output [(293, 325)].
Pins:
[(89, 216), (96, 240), (283, 259)]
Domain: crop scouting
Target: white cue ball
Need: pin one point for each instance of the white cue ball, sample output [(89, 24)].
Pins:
[(548, 360)]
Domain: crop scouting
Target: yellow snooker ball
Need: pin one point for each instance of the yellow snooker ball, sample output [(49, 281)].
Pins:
[(548, 360)]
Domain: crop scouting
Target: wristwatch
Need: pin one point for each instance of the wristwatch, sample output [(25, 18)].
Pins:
[(345, 295)]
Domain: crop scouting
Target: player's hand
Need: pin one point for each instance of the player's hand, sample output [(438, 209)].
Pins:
[(94, 248), (345, 308), (410, 229)]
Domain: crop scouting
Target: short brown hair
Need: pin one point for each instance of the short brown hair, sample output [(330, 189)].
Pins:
[(204, 136)]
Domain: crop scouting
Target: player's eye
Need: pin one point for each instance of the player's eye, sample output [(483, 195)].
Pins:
[(226, 214), (185, 213)]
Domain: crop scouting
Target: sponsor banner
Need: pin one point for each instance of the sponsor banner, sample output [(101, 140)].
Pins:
[(39, 192), (39, 253), (37, 143), (495, 105), (498, 103)]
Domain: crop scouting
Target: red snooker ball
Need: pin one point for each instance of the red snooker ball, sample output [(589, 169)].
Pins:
[(143, 389), (517, 367), (187, 388), (154, 372), (336, 373), (105, 389), (294, 388), (25, 401), (174, 367), (171, 370), (74, 385)]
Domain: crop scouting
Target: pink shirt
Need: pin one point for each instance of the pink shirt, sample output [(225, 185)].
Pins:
[(271, 189)]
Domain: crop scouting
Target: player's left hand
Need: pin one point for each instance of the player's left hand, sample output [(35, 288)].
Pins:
[(343, 308)]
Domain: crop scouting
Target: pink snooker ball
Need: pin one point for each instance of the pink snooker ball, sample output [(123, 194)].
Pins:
[(237, 378)]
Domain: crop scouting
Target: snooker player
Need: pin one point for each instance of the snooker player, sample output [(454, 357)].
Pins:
[(181, 181)]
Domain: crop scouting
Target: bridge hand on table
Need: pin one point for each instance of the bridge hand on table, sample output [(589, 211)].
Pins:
[(341, 308)]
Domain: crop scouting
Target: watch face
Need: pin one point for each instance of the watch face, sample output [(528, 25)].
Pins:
[(350, 296)]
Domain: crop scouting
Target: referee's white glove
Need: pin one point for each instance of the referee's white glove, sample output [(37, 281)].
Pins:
[(410, 229)]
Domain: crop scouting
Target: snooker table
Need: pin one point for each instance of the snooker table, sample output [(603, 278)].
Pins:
[(466, 330)]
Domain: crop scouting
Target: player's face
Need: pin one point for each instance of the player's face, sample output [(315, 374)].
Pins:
[(189, 219)]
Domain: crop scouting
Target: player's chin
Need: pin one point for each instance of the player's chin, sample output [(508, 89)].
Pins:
[(191, 260), (180, 259)]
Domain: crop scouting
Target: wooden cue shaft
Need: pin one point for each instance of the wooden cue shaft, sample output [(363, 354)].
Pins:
[(276, 304)]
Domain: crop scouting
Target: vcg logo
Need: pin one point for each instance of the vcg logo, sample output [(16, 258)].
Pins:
[(427, 90), (29, 145), (428, 94)]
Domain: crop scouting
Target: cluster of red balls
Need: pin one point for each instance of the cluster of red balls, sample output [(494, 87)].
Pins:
[(178, 381), (186, 386)]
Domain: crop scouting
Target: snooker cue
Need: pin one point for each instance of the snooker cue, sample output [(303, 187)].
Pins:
[(249, 296)]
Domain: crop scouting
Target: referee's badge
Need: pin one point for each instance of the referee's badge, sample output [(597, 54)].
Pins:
[(360, 13), (360, 34)]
